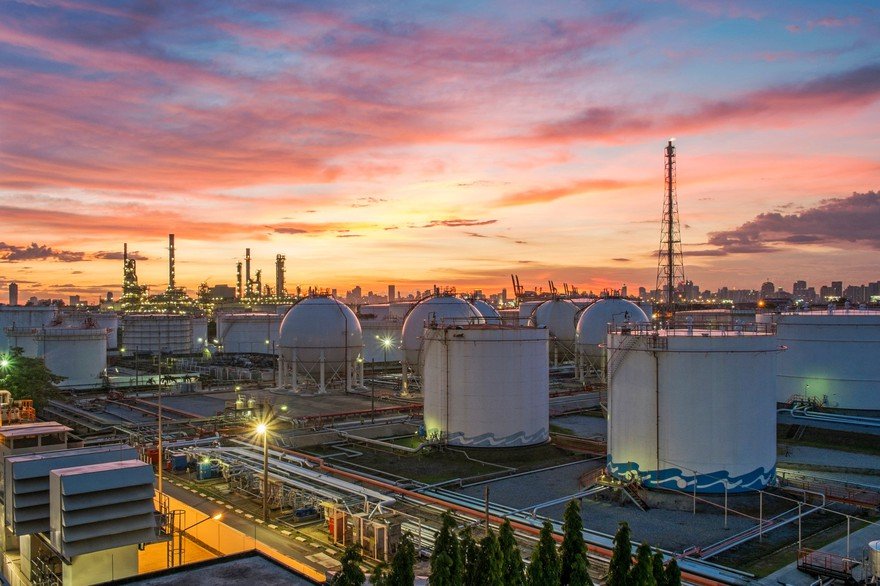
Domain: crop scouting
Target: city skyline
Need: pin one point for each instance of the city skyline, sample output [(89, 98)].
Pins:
[(451, 144)]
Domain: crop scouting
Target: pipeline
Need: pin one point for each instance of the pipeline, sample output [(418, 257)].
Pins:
[(693, 572), (804, 412)]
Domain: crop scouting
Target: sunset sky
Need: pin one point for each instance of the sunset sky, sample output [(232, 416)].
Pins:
[(437, 142)]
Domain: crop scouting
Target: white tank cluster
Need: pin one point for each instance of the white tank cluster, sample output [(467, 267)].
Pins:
[(320, 342), (199, 333), (560, 317), (489, 313), (158, 332), (832, 357), (78, 354), (248, 333), (107, 320), (592, 329), (693, 410), (486, 385), (23, 318), (438, 309)]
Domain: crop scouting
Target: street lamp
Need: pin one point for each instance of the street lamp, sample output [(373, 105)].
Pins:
[(215, 517), (262, 429), (386, 343)]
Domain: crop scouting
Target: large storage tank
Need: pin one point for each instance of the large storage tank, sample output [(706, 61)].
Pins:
[(489, 313), (560, 317), (24, 338), (832, 358), (693, 406), (321, 341), (486, 385), (79, 354), (526, 309), (592, 328), (157, 332), (437, 309), (12, 316), (103, 319), (246, 333)]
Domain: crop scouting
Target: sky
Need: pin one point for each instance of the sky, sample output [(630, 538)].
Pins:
[(449, 143)]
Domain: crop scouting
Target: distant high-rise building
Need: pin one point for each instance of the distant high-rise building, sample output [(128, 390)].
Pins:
[(109, 296), (74, 300), (392, 293), (13, 293), (837, 288), (623, 291), (767, 289)]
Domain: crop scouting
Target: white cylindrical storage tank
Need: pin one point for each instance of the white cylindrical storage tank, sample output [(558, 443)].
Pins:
[(247, 333), (592, 328), (560, 317), (13, 316), (320, 339), (24, 338), (486, 385), (199, 333), (693, 407), (74, 318), (157, 332), (489, 313), (437, 309), (78, 354), (832, 358)]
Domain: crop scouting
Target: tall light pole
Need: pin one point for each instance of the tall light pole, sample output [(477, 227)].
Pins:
[(159, 414), (263, 430)]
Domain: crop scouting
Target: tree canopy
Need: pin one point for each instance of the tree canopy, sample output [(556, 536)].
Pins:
[(544, 569), (28, 378), (574, 565)]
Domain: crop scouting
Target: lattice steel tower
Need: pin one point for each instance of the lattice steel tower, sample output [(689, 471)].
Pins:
[(670, 263)]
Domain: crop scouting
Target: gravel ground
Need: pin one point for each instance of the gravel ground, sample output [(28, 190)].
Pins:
[(582, 425), (672, 530), (826, 457)]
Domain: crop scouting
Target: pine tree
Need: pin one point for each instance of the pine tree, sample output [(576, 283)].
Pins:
[(446, 558), (402, 572), (575, 567), (380, 575), (512, 562), (658, 570), (621, 558), (544, 569), (469, 554), (489, 562), (351, 573), (642, 573), (673, 573)]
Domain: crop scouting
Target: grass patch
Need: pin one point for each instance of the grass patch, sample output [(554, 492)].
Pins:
[(817, 437)]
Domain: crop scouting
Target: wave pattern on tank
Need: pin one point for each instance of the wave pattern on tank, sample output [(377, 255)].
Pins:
[(677, 479), (488, 440)]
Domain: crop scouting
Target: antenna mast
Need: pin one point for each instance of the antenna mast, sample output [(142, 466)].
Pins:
[(670, 263)]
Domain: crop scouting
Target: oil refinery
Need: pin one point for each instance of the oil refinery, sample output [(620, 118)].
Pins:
[(185, 428)]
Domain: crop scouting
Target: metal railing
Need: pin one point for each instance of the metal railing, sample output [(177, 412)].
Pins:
[(691, 329)]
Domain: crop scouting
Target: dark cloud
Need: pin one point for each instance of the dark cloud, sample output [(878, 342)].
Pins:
[(458, 223), (834, 221), (476, 235), (118, 255), (349, 235), (283, 230), (12, 253), (621, 259)]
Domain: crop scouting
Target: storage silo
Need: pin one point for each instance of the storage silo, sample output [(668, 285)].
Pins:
[(23, 318), (157, 332), (437, 309), (486, 385), (24, 338), (78, 354), (693, 410), (592, 328), (560, 317), (526, 309), (103, 319), (831, 357), (246, 333), (321, 342)]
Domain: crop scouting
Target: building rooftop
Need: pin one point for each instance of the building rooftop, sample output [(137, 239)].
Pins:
[(244, 569), (37, 428)]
